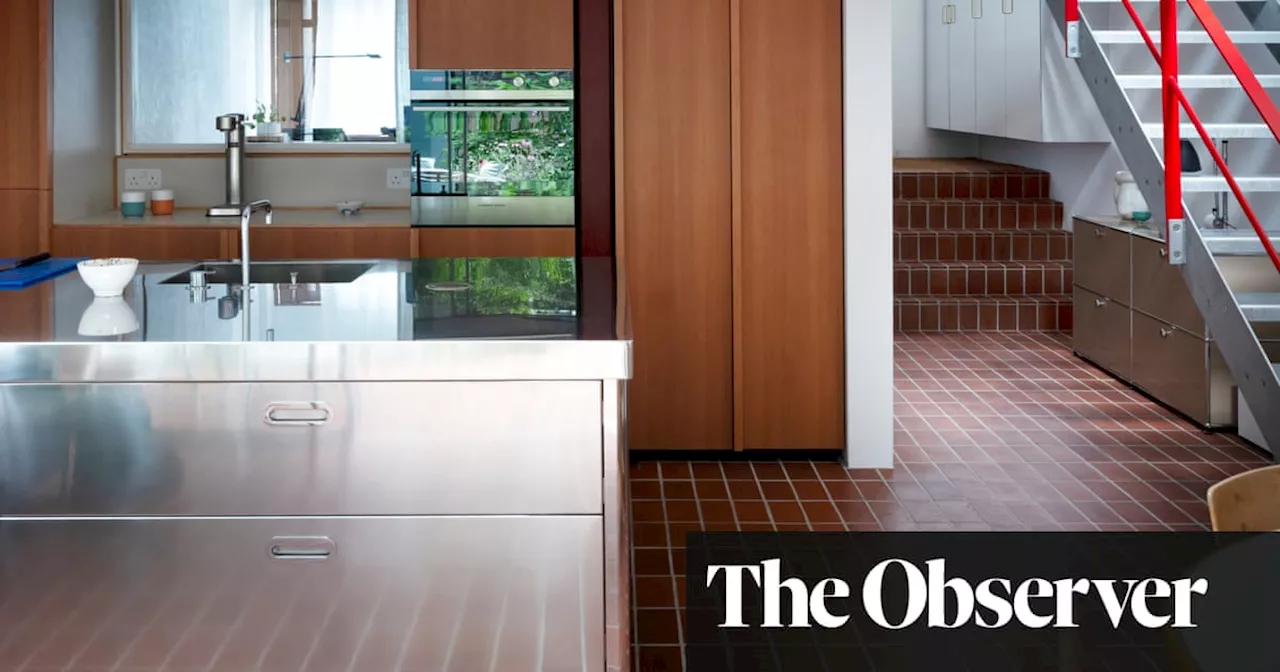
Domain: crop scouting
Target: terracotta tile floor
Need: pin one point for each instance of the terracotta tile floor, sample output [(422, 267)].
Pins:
[(993, 432)]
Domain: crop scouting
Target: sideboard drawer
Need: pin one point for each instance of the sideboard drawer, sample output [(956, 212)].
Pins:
[(1159, 289), (1101, 333), (1102, 261)]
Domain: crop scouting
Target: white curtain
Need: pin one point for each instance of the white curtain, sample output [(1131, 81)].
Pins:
[(358, 95), (192, 60)]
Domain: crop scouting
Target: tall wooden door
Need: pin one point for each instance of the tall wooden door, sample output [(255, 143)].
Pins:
[(789, 224), (675, 203), (25, 143)]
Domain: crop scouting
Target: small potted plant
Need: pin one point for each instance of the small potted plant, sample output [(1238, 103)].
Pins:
[(266, 121)]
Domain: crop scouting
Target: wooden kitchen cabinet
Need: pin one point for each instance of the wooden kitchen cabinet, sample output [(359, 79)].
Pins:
[(282, 243), (789, 227), (676, 210), (25, 66), (493, 34), (26, 173), (493, 241), (732, 222), (148, 243)]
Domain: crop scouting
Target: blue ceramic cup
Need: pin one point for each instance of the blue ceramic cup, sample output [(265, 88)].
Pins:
[(133, 204)]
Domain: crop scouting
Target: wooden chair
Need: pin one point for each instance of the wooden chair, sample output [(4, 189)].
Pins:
[(1248, 502)]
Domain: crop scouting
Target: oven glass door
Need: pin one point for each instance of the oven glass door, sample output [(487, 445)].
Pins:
[(493, 149)]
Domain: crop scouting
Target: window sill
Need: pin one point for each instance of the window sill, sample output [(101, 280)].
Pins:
[(276, 149)]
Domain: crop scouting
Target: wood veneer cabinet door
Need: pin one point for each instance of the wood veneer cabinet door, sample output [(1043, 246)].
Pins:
[(676, 196), (25, 64), (24, 217), (148, 243), (789, 254), (494, 34), (284, 243)]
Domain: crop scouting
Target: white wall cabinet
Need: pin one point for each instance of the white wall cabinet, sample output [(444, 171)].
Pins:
[(998, 68)]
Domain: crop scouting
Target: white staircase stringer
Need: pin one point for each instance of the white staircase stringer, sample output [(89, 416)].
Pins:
[(1255, 376)]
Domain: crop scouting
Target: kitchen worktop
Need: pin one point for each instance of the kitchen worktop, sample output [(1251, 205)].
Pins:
[(478, 318), (318, 217), (423, 299), (1143, 229)]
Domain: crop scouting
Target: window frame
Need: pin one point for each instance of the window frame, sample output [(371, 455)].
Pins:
[(124, 110)]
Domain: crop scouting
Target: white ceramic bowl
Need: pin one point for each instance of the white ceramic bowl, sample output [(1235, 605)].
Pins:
[(108, 316), (349, 207), (107, 277)]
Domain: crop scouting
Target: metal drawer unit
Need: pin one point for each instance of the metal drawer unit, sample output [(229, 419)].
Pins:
[(1135, 318), (428, 525)]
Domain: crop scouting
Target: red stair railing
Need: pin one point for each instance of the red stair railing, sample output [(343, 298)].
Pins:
[(1174, 100)]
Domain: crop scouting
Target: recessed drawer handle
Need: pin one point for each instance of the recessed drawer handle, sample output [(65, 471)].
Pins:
[(301, 413), (1101, 303), (302, 548), (1165, 332)]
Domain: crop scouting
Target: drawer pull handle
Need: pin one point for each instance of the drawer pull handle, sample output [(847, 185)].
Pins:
[(299, 414), (302, 548), (1101, 303), (1163, 253), (1097, 233), (1165, 332)]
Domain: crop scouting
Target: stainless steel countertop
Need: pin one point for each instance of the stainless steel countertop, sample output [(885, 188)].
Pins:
[(1143, 229), (513, 324)]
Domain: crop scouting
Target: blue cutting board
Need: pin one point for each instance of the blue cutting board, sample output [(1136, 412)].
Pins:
[(19, 278)]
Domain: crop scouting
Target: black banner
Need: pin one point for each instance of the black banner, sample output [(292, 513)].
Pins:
[(814, 602)]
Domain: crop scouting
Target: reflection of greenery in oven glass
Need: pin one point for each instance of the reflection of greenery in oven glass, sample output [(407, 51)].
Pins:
[(524, 153), (496, 80), (509, 286)]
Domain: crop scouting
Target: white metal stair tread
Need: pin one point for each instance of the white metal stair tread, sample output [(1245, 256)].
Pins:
[(1187, 36), (1236, 242), (1260, 307), (1194, 81), (1216, 183), (1221, 131)]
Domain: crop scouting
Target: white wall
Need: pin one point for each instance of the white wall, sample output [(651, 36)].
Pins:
[(84, 95), (869, 103), (911, 138)]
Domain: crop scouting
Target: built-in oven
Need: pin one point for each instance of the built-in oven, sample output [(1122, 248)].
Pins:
[(491, 148)]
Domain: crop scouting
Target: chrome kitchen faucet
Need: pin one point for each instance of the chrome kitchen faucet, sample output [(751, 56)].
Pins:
[(246, 214), (233, 126)]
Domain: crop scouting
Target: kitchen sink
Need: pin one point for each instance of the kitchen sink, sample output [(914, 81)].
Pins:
[(275, 273)]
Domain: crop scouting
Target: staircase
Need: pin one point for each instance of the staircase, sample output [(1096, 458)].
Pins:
[(978, 246), (1232, 274)]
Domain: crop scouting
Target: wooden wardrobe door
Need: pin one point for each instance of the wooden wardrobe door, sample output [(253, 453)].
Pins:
[(789, 231), (675, 203)]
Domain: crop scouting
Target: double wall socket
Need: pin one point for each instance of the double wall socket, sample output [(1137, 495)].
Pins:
[(142, 179), (398, 178)]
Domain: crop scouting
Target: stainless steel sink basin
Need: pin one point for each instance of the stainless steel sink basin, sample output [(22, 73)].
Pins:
[(275, 273)]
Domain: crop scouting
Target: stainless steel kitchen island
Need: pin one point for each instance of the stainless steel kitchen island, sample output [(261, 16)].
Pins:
[(417, 468)]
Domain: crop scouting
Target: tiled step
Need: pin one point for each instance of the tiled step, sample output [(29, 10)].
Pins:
[(955, 214), (1044, 312), (1000, 182), (981, 278), (982, 245)]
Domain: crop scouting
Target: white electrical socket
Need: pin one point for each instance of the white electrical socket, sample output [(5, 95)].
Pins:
[(142, 179), (398, 178)]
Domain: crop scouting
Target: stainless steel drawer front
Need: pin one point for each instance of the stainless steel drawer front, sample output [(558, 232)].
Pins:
[(1101, 332), (1102, 261), (398, 594), (456, 448)]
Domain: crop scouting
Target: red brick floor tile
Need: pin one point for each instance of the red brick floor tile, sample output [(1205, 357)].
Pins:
[(994, 431)]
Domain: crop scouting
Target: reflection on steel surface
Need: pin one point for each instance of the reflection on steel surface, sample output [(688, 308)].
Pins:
[(458, 448), (395, 594)]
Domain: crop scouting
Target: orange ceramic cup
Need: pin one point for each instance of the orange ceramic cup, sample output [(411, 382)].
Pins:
[(162, 202)]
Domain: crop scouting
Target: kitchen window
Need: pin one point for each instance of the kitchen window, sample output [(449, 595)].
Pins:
[(327, 75)]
